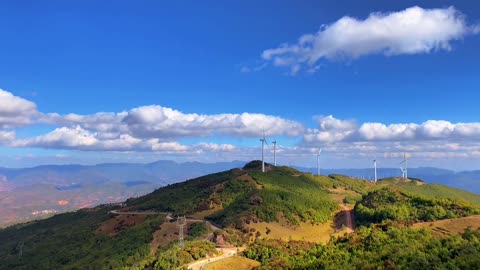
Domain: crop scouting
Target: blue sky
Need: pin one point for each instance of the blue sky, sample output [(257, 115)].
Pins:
[(209, 59)]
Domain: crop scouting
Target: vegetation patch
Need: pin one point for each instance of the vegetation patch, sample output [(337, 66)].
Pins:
[(67, 241), (392, 205), (174, 257), (372, 248)]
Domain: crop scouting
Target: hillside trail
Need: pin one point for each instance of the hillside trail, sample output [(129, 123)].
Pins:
[(348, 218)]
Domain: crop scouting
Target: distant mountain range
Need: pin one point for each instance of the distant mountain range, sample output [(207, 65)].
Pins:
[(28, 193)]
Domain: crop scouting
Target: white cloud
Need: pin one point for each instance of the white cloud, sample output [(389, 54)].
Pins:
[(6, 137), (15, 111), (330, 129), (61, 138), (337, 130), (412, 31), (158, 129), (382, 132), (77, 138), (161, 122)]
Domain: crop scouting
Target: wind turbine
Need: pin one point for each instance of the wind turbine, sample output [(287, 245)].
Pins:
[(264, 141), (375, 167), (404, 168), (274, 152), (318, 161)]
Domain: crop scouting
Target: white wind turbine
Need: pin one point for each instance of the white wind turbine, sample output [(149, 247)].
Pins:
[(404, 167), (375, 168), (318, 160), (264, 141)]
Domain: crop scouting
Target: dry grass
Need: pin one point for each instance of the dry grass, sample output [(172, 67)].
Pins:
[(205, 213), (448, 227), (233, 263), (338, 194), (307, 232)]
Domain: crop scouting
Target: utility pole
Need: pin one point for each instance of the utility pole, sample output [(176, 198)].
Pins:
[(274, 153), (181, 222), (20, 249)]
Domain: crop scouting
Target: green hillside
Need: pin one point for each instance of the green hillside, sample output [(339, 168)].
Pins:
[(419, 188), (99, 239), (389, 204), (246, 195), (69, 241)]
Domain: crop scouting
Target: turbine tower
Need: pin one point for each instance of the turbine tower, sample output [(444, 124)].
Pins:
[(318, 161), (264, 141), (375, 167), (404, 167), (274, 152)]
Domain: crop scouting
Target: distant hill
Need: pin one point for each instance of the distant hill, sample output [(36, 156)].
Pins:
[(231, 201), (467, 180), (31, 193)]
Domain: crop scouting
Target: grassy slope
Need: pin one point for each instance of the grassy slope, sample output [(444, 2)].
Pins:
[(246, 195), (430, 190), (66, 241), (448, 227), (282, 194)]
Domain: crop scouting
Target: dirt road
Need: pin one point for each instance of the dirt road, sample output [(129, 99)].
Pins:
[(348, 218)]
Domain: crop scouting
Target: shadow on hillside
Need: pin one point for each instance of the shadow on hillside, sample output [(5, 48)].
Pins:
[(340, 220)]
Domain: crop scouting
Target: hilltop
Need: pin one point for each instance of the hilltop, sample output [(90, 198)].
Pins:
[(237, 207)]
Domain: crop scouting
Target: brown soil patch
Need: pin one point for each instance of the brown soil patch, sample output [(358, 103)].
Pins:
[(63, 202), (167, 234), (119, 223), (248, 178)]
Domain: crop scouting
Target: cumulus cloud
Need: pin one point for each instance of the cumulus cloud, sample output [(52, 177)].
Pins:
[(158, 121), (15, 111), (412, 31), (337, 130), (77, 138), (330, 129), (382, 132)]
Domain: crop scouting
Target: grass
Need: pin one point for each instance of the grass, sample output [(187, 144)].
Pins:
[(449, 227), (233, 263), (298, 198), (164, 236), (319, 233), (430, 190)]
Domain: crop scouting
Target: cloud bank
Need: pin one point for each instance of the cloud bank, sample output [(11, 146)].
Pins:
[(332, 130), (412, 31)]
